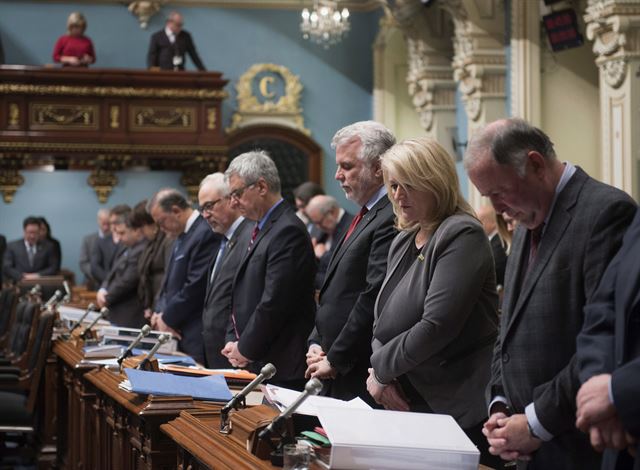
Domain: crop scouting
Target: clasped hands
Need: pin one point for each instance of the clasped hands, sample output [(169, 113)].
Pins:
[(231, 352), (509, 436), (597, 416), (157, 323), (318, 365), (391, 395)]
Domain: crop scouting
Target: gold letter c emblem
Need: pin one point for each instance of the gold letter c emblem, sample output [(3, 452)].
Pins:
[(264, 87)]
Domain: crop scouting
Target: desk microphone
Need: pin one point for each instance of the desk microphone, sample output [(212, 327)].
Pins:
[(312, 387), (144, 331), (54, 299), (103, 313), (163, 338), (238, 400), (90, 308), (35, 290), (67, 290)]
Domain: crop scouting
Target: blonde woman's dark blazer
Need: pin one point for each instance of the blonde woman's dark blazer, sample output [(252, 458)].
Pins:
[(439, 324)]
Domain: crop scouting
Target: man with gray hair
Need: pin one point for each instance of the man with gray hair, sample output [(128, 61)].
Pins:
[(340, 345), (570, 227), (227, 221), (272, 301), (179, 306), (327, 215)]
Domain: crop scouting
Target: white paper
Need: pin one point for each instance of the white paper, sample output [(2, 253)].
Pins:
[(382, 439), (283, 397)]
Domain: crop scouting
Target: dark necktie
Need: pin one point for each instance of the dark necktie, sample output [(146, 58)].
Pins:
[(356, 220), (216, 266), (254, 235), (534, 243), (31, 253)]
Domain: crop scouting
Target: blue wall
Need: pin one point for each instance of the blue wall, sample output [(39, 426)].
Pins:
[(337, 89)]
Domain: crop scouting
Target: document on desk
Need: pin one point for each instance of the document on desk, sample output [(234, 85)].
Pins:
[(212, 388), (283, 397), (382, 439)]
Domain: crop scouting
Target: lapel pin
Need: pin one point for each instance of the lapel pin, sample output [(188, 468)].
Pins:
[(420, 257)]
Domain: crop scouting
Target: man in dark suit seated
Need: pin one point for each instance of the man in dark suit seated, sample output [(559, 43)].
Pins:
[(226, 220), (340, 345), (329, 218), (569, 228), (179, 306), (168, 47), (273, 297), (119, 291), (30, 258), (609, 360)]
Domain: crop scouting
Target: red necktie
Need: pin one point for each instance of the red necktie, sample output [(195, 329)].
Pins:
[(254, 235), (356, 220)]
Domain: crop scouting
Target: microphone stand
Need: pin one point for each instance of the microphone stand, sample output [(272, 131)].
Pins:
[(103, 313), (238, 401), (144, 331), (163, 338)]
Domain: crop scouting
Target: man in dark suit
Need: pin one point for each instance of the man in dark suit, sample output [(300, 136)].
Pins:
[(119, 291), (88, 243), (106, 249), (272, 301), (487, 216), (331, 219), (340, 345), (226, 220), (168, 47), (30, 258), (179, 306), (609, 359), (570, 227), (3, 248)]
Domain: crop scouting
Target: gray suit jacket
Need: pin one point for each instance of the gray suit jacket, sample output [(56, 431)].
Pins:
[(85, 255), (534, 357), (217, 302), (439, 323)]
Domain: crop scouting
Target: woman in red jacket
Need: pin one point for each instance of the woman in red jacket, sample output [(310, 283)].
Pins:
[(74, 48)]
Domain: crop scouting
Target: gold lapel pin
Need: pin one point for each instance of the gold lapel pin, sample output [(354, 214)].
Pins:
[(420, 257)]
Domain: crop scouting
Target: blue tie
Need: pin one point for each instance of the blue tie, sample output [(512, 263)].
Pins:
[(223, 245)]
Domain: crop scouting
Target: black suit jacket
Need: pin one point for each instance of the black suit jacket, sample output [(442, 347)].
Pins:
[(103, 252), (121, 284), (323, 262), (610, 339), (499, 258), (217, 303), (534, 358), (273, 297), (161, 51), (16, 260), (185, 283), (344, 321), (3, 248)]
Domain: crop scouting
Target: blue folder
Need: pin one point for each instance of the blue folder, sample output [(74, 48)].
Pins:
[(213, 387)]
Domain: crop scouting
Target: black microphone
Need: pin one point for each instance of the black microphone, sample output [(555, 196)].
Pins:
[(144, 331), (103, 313), (90, 308), (267, 371), (312, 387), (54, 299), (163, 338)]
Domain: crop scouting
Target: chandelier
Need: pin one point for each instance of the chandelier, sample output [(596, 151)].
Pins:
[(325, 24)]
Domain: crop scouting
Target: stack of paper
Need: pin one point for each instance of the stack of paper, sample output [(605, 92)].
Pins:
[(119, 335), (381, 439), (213, 387), (283, 397)]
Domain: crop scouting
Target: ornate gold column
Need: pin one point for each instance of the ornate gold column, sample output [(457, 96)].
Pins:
[(614, 28)]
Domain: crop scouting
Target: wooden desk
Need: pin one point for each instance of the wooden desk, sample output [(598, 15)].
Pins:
[(75, 407), (126, 426)]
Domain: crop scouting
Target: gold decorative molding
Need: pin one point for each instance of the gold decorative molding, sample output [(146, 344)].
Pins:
[(162, 119), (211, 119), (109, 148), (114, 117), (284, 109), (10, 177), (112, 92), (14, 116), (63, 116), (103, 178), (144, 10)]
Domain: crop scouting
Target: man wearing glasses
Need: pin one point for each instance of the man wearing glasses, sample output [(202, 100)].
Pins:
[(272, 300), (179, 306), (227, 221)]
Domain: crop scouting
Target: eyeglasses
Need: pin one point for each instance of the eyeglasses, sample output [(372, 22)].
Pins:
[(209, 205), (237, 193)]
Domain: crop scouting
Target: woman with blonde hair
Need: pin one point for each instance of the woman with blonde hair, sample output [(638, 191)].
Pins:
[(74, 48), (436, 313)]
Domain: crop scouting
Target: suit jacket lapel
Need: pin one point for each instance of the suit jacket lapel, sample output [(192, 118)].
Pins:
[(277, 212)]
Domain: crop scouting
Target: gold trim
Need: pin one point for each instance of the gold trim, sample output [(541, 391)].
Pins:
[(53, 116), (114, 117), (118, 92), (14, 115), (211, 119), (10, 181), (111, 148), (162, 119), (102, 181)]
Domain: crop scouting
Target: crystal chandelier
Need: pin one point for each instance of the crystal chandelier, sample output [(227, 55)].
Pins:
[(325, 24)]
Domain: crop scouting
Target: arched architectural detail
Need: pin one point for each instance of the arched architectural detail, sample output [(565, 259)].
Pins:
[(614, 28)]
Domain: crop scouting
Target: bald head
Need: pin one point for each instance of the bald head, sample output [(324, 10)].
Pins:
[(324, 212)]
